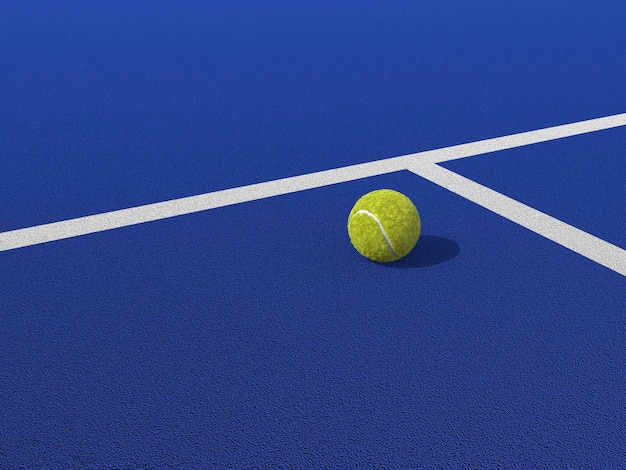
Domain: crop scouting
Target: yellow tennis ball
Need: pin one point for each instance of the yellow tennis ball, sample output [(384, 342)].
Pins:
[(384, 225)]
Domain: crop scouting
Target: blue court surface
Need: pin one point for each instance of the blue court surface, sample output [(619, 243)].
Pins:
[(177, 285)]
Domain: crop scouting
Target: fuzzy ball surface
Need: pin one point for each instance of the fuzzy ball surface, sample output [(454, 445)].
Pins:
[(384, 225)]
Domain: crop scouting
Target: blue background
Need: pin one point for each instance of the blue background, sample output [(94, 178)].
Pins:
[(114, 104), (254, 336)]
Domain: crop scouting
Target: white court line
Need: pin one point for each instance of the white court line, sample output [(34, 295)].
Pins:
[(528, 138), (581, 242), (29, 236), (161, 210)]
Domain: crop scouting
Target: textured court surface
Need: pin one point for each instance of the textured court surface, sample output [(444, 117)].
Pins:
[(252, 335)]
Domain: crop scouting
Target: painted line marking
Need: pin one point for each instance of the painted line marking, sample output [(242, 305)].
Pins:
[(528, 138), (54, 231), (422, 163), (577, 240)]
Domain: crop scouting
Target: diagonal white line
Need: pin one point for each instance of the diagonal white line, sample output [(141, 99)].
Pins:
[(581, 242), (161, 210)]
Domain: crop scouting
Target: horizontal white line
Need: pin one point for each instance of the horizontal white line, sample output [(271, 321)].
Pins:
[(29, 236), (581, 242), (161, 210), (526, 138)]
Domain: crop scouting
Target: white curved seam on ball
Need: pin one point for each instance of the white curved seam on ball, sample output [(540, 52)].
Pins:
[(380, 226)]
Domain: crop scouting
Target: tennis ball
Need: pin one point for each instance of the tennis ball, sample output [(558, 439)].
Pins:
[(384, 225)]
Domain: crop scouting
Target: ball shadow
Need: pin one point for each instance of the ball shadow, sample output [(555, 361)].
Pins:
[(429, 251)]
